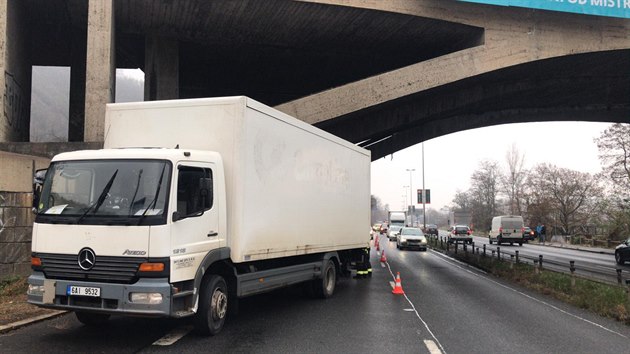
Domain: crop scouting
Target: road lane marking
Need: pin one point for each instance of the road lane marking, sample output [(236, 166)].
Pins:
[(413, 309), (433, 349), (173, 336), (529, 297)]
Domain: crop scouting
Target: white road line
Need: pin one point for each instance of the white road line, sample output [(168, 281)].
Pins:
[(417, 314), (173, 336), (392, 284), (433, 349), (537, 300)]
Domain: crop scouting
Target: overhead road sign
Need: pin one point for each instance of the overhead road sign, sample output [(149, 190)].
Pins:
[(609, 8)]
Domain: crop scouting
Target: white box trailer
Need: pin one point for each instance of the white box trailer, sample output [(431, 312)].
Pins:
[(291, 188), (202, 200)]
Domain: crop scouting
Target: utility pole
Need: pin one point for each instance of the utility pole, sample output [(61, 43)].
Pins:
[(411, 192), (424, 210)]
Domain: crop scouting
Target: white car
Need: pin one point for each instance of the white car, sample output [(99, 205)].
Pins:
[(393, 231), (411, 237), (460, 233)]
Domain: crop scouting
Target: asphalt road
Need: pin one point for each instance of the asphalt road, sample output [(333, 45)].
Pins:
[(447, 307)]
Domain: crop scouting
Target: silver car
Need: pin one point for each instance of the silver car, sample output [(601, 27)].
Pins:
[(411, 237), (393, 231)]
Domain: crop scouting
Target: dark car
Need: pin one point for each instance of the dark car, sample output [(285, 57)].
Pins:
[(431, 229), (622, 252), (529, 234)]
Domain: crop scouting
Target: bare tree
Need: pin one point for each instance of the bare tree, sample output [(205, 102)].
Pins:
[(379, 211), (461, 200), (563, 197), (483, 191), (614, 153), (513, 181)]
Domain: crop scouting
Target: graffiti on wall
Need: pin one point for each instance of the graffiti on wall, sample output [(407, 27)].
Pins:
[(15, 105)]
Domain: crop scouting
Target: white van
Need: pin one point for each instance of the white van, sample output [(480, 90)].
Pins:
[(507, 228)]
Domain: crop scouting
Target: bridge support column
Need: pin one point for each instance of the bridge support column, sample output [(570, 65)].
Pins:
[(15, 74), (100, 73), (76, 124), (161, 69)]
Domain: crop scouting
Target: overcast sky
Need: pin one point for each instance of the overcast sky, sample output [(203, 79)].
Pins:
[(451, 159)]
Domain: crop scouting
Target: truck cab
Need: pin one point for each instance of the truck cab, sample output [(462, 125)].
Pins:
[(125, 230)]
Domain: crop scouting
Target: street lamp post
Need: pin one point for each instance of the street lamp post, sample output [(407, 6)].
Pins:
[(424, 211), (411, 192), (405, 197)]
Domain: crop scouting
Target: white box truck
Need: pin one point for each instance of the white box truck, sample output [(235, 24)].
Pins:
[(397, 218), (193, 204)]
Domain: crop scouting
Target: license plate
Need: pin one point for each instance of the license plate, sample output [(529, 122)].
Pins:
[(83, 291)]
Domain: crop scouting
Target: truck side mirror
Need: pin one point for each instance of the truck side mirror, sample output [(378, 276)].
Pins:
[(176, 216), (38, 183)]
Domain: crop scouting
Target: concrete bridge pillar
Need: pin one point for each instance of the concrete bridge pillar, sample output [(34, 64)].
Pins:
[(100, 73), (76, 124), (161, 69), (15, 74)]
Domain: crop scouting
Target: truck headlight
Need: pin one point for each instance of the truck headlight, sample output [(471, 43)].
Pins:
[(146, 298), (35, 290)]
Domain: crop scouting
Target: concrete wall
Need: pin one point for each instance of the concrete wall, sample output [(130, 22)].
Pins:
[(15, 76), (16, 217)]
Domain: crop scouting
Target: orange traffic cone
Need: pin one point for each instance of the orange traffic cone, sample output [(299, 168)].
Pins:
[(383, 258), (398, 290)]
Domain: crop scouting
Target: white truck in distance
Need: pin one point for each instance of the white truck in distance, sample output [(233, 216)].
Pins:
[(397, 218), (224, 199)]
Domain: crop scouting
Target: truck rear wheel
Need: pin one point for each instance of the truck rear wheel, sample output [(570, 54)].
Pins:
[(213, 304), (91, 319), (325, 287)]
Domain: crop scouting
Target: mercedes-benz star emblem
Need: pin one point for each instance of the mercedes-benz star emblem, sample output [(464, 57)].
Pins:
[(86, 259)]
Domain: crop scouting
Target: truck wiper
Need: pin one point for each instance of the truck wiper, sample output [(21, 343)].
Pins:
[(135, 193), (153, 202), (101, 198)]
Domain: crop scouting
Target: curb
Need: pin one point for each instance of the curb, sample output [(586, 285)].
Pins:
[(598, 251), (19, 324)]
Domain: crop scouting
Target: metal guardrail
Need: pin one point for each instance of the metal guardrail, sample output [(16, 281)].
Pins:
[(612, 276)]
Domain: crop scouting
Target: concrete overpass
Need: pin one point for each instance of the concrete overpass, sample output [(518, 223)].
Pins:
[(383, 74)]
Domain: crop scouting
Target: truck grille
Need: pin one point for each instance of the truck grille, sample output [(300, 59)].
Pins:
[(106, 269)]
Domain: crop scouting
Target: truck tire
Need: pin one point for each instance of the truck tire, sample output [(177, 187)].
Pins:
[(91, 319), (213, 304), (325, 287)]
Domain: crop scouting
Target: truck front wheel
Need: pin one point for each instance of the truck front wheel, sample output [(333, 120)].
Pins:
[(91, 319), (325, 287), (213, 304)]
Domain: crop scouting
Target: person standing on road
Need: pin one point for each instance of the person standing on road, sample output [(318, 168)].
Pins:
[(538, 229), (543, 232)]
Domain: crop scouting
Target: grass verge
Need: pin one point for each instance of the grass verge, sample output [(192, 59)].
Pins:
[(606, 300)]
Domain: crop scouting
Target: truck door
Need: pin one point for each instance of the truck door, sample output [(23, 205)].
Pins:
[(196, 230)]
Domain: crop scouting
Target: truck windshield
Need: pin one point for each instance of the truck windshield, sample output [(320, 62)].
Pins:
[(105, 191)]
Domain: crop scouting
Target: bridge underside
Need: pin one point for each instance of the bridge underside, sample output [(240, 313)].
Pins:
[(385, 75), (582, 87)]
